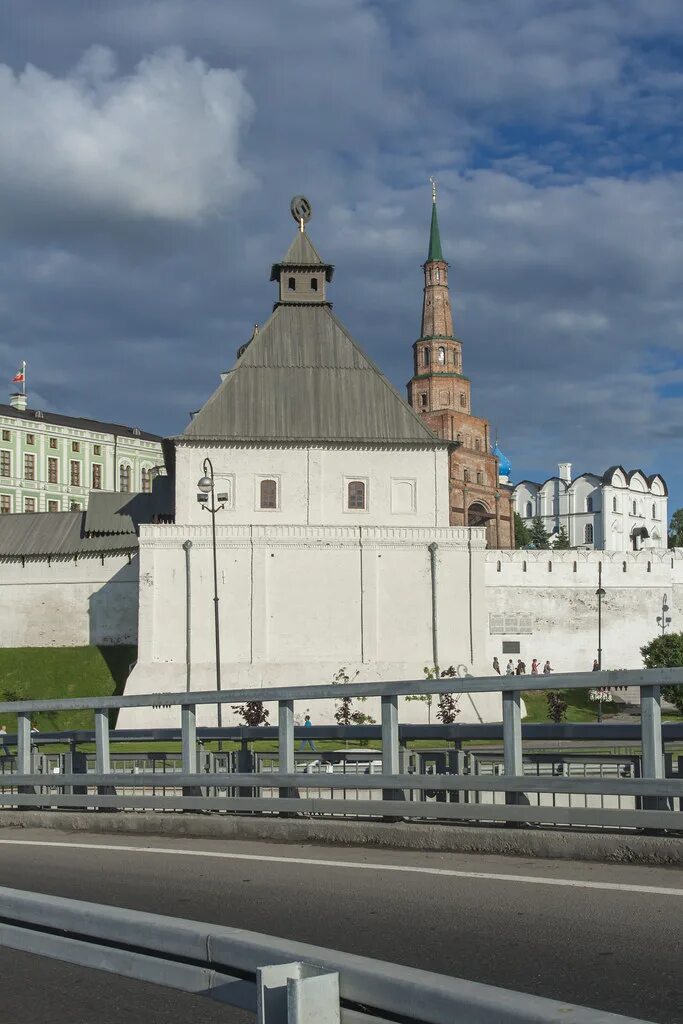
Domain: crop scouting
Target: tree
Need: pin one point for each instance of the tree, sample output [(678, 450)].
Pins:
[(253, 712), (522, 535), (666, 652), (562, 540), (539, 536), (447, 708), (345, 713), (557, 706), (676, 529)]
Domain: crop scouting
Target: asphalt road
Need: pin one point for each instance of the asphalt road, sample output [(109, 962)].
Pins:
[(600, 945)]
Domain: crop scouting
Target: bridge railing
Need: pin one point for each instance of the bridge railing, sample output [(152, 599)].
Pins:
[(393, 791), (281, 981)]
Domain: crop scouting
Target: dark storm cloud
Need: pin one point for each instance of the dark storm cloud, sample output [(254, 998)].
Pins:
[(150, 151)]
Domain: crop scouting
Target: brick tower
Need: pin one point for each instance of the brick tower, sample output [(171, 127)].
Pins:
[(440, 393)]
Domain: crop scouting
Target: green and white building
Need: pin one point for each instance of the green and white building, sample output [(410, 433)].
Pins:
[(50, 462)]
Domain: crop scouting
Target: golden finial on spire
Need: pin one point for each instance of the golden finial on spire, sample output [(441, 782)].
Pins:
[(433, 189)]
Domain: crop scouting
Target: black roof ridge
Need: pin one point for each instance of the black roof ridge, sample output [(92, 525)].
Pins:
[(77, 421)]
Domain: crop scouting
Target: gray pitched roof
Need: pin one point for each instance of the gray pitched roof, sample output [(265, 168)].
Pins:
[(302, 252), (55, 535), (115, 513), (303, 378)]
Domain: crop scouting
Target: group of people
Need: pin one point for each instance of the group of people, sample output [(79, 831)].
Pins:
[(520, 668)]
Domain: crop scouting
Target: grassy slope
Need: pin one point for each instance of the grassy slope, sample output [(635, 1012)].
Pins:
[(51, 672)]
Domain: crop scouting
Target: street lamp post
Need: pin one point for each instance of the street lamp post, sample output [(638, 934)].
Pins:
[(600, 593), (664, 620), (207, 489)]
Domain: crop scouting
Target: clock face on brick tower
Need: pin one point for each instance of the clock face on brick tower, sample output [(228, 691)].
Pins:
[(441, 393)]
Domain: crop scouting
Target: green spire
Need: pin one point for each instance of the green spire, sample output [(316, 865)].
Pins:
[(434, 237)]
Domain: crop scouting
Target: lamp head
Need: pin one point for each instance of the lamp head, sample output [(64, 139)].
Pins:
[(205, 484)]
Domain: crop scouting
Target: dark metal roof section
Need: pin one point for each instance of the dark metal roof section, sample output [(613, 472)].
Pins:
[(304, 379), (38, 415), (115, 513)]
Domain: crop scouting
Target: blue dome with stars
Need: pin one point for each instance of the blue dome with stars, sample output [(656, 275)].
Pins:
[(504, 466)]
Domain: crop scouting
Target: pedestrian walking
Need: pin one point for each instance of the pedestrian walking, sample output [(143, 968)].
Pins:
[(496, 666), (596, 666), (308, 724), (510, 669), (535, 665), (521, 668), (547, 669)]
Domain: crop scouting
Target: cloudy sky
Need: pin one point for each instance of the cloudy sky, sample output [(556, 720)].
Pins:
[(150, 149)]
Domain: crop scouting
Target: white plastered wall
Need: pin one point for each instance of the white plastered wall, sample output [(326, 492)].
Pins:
[(299, 603), (69, 603)]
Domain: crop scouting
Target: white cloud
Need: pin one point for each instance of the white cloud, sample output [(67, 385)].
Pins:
[(162, 142)]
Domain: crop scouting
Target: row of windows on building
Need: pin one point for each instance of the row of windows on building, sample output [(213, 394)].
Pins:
[(424, 401), (53, 441), (291, 284), (467, 476), (31, 505), (441, 357), (75, 475), (356, 495), (589, 507)]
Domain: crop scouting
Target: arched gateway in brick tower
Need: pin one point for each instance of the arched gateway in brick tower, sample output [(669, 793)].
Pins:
[(440, 393)]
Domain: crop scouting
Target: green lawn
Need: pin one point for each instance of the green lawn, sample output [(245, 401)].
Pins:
[(579, 707), (42, 673)]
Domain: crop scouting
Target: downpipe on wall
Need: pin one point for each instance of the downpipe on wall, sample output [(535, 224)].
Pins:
[(187, 547), (433, 548)]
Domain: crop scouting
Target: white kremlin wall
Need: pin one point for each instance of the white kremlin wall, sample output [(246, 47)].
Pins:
[(69, 602), (545, 602)]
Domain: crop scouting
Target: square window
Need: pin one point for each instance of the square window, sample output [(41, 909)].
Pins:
[(74, 506), (75, 446), (29, 504), (5, 464), (29, 467), (6, 435), (53, 506), (53, 471), (53, 442), (97, 449), (5, 503), (30, 439), (356, 495)]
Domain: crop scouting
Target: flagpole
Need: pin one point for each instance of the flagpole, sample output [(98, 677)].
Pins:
[(23, 363)]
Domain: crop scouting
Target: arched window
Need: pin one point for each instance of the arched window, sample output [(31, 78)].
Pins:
[(124, 478), (425, 356), (480, 478), (523, 566), (498, 566), (623, 566), (589, 504), (438, 275), (356, 494), (614, 504), (466, 475), (442, 354), (146, 480), (654, 511), (588, 533), (529, 510), (314, 284), (423, 401), (634, 509), (575, 567), (269, 494), (463, 400), (649, 566), (477, 444), (291, 284), (459, 438)]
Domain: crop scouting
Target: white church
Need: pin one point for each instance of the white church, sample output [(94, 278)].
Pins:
[(614, 511), (333, 543)]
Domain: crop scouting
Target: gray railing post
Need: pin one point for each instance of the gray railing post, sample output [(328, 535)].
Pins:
[(285, 736), (24, 749), (102, 760), (651, 741), (512, 740), (390, 750), (188, 726)]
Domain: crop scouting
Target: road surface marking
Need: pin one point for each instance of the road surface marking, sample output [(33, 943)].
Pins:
[(357, 865)]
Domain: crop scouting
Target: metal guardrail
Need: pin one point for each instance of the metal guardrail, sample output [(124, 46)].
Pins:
[(657, 803), (282, 981)]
